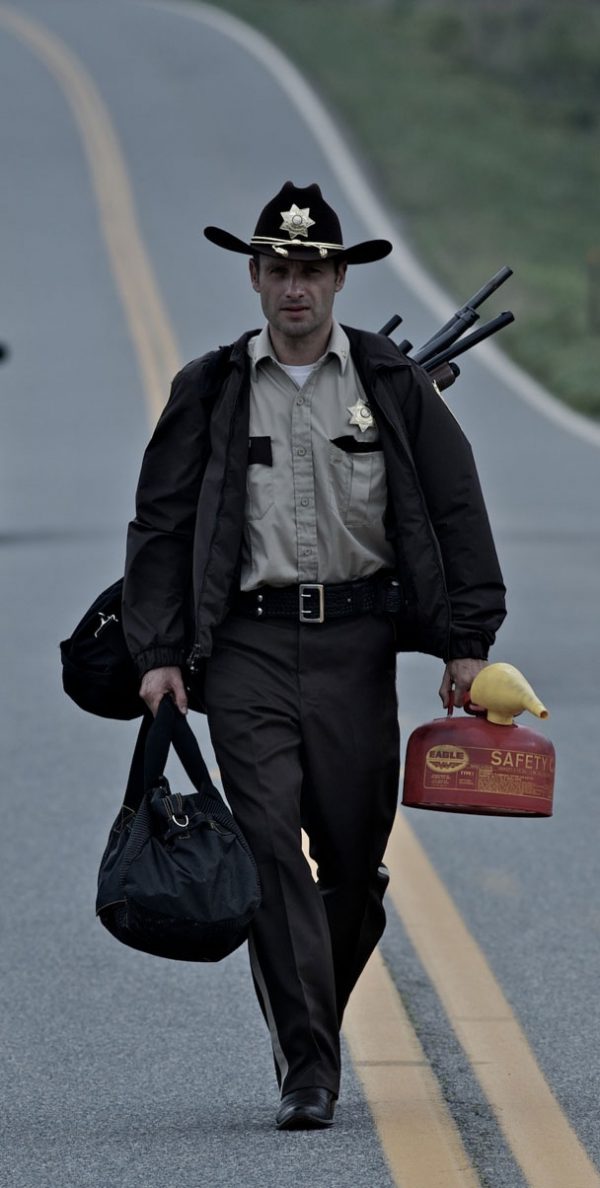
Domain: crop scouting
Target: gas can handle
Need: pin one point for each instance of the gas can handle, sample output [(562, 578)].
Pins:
[(476, 711)]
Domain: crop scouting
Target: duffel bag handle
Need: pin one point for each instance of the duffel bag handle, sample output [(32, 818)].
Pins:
[(154, 740), (170, 727), (134, 791)]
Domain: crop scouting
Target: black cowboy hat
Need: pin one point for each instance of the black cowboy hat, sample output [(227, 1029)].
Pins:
[(298, 224)]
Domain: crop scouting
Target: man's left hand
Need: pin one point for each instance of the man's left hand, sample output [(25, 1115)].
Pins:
[(458, 678)]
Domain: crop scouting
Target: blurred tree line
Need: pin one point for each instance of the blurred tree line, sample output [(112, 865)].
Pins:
[(548, 50), (479, 119)]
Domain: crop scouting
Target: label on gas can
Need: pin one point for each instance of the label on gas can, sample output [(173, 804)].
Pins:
[(444, 758), (490, 770)]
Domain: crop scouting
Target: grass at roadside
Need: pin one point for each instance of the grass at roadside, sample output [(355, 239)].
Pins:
[(480, 121)]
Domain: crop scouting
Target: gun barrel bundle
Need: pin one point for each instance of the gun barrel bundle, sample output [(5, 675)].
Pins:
[(438, 352)]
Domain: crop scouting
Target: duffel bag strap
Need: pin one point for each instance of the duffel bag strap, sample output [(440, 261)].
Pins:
[(135, 789), (170, 727)]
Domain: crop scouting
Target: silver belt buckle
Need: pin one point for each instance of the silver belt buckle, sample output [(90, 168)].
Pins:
[(312, 611)]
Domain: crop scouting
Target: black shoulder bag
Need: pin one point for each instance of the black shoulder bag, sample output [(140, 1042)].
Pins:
[(97, 670), (98, 673), (177, 878)]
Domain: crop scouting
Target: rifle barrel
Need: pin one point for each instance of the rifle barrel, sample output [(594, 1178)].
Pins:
[(475, 301), (392, 325), (447, 342), (459, 348), (447, 335), (490, 287)]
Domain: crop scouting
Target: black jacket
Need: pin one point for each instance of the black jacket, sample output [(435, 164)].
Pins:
[(184, 545)]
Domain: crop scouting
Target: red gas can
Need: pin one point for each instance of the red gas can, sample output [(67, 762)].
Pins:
[(483, 763)]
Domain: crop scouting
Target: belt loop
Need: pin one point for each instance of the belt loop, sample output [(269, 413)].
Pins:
[(391, 596)]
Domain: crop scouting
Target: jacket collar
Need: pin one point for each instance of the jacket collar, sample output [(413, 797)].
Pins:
[(372, 350), (239, 349), (376, 350)]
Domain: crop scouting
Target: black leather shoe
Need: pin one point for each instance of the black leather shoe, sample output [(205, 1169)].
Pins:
[(306, 1109)]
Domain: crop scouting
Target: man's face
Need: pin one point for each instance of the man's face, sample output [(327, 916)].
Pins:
[(297, 295)]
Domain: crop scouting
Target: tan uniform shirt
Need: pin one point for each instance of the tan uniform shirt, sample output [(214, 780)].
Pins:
[(314, 508)]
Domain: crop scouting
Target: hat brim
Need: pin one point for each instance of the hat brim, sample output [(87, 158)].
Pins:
[(360, 253)]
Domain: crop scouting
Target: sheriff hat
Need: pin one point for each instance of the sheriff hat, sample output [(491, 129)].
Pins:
[(298, 224)]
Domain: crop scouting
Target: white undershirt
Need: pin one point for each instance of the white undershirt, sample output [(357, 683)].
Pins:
[(299, 373)]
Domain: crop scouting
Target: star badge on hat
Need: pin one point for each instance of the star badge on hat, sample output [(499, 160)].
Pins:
[(361, 415), (296, 221), (269, 231)]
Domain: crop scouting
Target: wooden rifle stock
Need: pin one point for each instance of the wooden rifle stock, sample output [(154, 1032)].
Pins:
[(443, 377)]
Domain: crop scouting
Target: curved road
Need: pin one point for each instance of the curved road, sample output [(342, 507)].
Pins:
[(122, 1070)]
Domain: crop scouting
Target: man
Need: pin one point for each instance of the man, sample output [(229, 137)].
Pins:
[(312, 489)]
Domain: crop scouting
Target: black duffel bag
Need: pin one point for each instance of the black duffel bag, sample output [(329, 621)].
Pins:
[(98, 673), (177, 878), (97, 670)]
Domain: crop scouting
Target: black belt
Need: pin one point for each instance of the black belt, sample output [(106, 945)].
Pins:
[(313, 602)]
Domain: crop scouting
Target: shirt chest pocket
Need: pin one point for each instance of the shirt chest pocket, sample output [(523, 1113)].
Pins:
[(358, 484), (259, 479)]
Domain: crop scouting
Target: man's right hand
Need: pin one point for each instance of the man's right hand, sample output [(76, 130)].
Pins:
[(159, 681)]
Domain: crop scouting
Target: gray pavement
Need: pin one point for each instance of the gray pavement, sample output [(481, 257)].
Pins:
[(120, 1069)]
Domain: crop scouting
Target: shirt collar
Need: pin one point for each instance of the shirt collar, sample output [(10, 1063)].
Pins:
[(339, 345), (261, 348)]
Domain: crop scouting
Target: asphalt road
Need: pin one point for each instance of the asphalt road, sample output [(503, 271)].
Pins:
[(119, 1069)]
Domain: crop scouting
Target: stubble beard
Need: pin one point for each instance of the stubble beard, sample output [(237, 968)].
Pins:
[(289, 328)]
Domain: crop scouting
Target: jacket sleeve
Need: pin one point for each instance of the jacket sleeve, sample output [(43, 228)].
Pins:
[(450, 484), (158, 565)]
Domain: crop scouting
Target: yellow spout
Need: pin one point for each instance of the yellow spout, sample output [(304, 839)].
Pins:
[(503, 691)]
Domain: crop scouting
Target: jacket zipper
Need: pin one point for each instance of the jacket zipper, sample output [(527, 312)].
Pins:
[(196, 657), (384, 414)]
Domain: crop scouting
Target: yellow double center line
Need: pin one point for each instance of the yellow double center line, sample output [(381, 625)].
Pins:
[(146, 317), (421, 1141), (541, 1138)]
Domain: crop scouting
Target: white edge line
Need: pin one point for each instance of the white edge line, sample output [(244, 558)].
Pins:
[(369, 209)]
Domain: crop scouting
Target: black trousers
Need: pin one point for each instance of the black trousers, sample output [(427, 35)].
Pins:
[(303, 720)]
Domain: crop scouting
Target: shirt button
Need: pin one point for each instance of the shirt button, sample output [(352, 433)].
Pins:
[(300, 400), (305, 502), (301, 451), (307, 552)]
